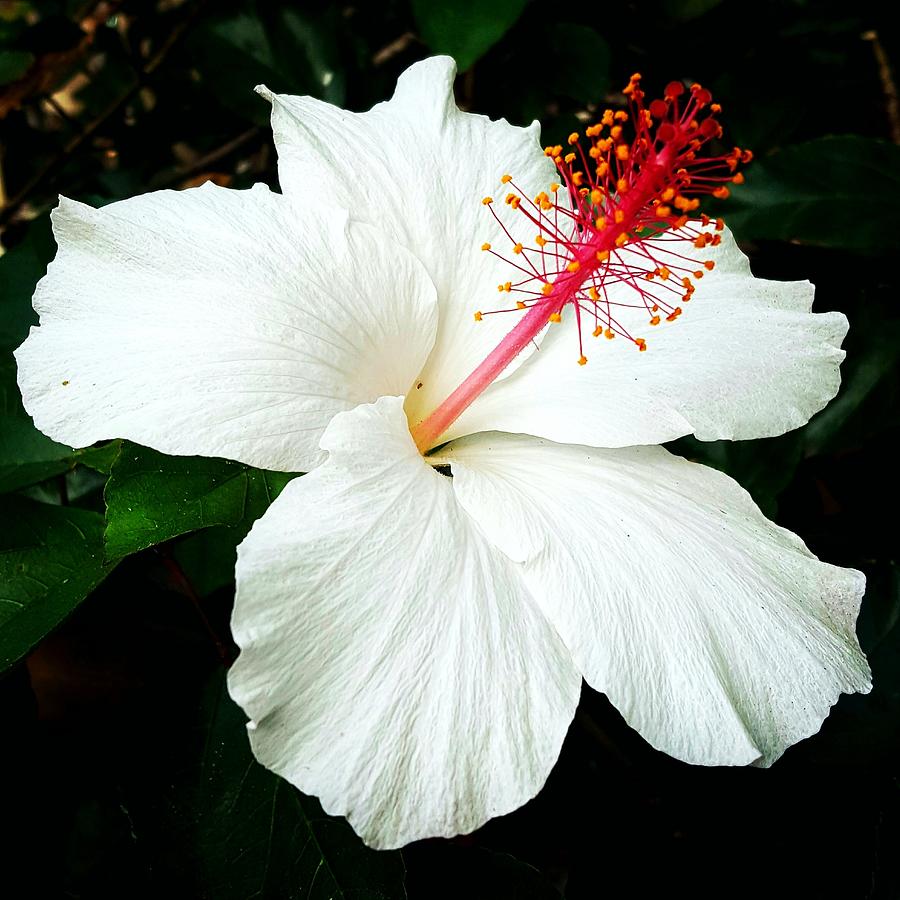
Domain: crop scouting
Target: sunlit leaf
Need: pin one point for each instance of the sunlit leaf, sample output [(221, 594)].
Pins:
[(151, 497)]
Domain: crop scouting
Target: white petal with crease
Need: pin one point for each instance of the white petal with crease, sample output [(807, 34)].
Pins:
[(417, 167), (716, 634), (392, 663), (220, 323), (746, 360)]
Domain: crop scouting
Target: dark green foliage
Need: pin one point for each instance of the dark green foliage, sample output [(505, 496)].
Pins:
[(128, 771)]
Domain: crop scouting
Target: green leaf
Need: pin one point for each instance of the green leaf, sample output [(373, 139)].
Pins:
[(840, 192), (871, 368), (235, 830), (152, 498), (51, 558), (21, 267), (465, 29), (27, 456), (582, 58), (685, 10), (14, 64), (763, 467)]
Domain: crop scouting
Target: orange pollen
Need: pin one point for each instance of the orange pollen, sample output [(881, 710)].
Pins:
[(619, 233)]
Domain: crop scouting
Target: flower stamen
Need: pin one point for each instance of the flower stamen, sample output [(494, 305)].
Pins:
[(604, 224)]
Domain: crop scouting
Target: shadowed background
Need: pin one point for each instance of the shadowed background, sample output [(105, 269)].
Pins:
[(125, 767)]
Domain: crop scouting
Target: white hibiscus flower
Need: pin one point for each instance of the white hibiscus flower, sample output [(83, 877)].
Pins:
[(412, 646)]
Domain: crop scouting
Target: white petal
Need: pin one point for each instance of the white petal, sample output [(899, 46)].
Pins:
[(418, 167), (746, 359), (391, 662), (717, 635), (220, 323)]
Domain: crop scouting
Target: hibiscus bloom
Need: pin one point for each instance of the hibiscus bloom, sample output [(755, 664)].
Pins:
[(413, 645)]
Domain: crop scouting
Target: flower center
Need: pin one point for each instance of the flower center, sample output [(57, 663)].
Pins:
[(622, 201)]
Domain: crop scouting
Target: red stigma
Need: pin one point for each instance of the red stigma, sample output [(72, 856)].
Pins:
[(622, 193)]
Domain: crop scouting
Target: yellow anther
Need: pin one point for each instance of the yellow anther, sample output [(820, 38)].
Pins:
[(609, 334), (478, 317), (555, 317), (582, 360), (641, 344), (654, 320), (506, 179), (507, 286), (597, 331), (622, 152), (577, 178), (573, 137), (672, 316), (720, 193), (546, 204), (570, 158), (487, 201), (622, 186), (540, 240), (520, 304), (485, 246), (663, 211), (518, 248), (738, 179), (619, 217), (663, 273), (607, 117), (615, 132), (602, 170), (596, 195), (602, 255), (573, 266), (593, 294), (720, 224), (554, 188), (547, 289), (667, 195), (622, 239), (600, 223)]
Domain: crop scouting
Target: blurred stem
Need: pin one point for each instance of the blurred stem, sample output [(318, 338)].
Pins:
[(183, 584), (152, 64), (888, 85), (202, 163)]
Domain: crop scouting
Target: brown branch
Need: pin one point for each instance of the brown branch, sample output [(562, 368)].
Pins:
[(183, 584), (888, 85), (99, 121), (202, 163)]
